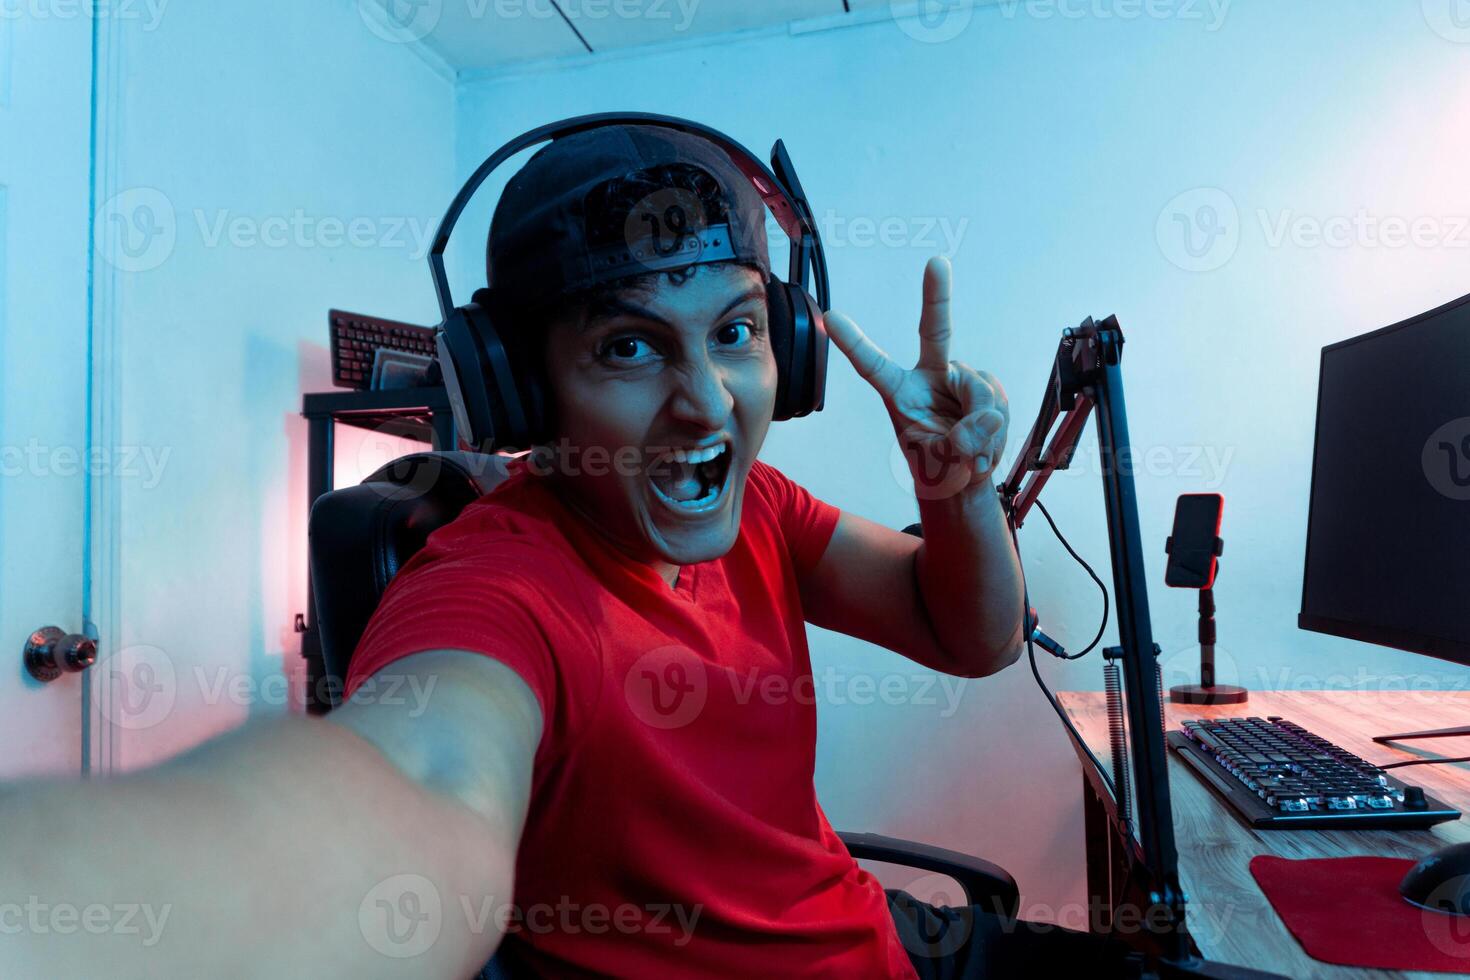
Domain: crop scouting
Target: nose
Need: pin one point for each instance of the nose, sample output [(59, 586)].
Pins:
[(701, 397)]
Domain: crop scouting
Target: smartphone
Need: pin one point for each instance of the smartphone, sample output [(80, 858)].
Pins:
[(1194, 546)]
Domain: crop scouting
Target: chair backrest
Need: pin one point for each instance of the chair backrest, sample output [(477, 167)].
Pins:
[(361, 535)]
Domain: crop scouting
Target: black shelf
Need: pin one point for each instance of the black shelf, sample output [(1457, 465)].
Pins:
[(422, 414)]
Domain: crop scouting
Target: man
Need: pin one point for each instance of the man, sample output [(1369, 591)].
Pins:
[(601, 776), (639, 589)]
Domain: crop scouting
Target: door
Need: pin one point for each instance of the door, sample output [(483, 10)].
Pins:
[(45, 371)]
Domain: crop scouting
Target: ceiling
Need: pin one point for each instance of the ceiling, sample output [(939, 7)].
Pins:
[(485, 35)]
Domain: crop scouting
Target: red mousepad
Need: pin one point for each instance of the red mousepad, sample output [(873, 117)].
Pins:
[(1349, 911)]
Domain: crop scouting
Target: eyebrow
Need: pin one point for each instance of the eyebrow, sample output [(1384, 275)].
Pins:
[(614, 306)]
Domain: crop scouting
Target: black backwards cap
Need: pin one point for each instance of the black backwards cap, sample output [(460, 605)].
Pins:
[(540, 243)]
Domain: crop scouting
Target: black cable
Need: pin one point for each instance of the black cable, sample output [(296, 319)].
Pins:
[(1102, 628), (1424, 762), (568, 20), (1036, 672), (1126, 826)]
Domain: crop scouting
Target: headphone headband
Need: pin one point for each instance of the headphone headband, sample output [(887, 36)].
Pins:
[(784, 197)]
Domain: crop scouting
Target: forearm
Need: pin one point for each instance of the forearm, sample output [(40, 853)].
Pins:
[(969, 579), (251, 855)]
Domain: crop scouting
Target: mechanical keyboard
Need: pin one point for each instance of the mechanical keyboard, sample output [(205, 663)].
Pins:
[(356, 338), (1276, 774)]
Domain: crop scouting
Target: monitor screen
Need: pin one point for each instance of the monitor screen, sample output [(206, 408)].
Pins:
[(1388, 533)]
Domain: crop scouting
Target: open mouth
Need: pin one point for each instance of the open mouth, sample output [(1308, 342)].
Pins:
[(691, 481)]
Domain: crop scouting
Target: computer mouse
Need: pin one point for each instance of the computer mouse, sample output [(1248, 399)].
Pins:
[(1441, 881)]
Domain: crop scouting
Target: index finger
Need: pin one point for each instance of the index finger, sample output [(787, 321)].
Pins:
[(874, 366), (934, 327)]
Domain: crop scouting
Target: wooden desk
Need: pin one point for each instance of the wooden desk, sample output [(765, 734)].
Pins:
[(1229, 917)]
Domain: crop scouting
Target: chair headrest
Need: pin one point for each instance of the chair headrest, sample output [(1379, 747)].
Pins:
[(361, 535)]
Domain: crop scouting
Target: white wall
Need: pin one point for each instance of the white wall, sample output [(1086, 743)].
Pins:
[(300, 161), (1057, 146)]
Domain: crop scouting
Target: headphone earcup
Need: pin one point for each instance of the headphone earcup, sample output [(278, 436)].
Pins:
[(494, 408), (779, 327), (799, 341)]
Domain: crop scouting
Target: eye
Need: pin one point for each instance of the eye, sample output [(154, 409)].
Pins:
[(733, 334), (625, 348)]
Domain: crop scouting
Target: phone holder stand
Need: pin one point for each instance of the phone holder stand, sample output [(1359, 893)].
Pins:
[(1206, 691)]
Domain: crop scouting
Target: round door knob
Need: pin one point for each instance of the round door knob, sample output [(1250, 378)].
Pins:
[(51, 652)]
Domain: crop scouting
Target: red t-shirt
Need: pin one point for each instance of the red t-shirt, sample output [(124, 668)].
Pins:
[(673, 827)]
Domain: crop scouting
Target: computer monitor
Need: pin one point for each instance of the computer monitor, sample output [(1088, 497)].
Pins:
[(1388, 531)]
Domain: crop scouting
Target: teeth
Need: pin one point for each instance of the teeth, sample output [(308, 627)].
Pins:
[(696, 455), (693, 457)]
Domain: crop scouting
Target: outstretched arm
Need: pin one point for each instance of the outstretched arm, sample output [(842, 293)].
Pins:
[(282, 848)]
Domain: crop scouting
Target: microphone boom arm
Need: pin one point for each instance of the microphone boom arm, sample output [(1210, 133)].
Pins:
[(1086, 378), (1067, 395)]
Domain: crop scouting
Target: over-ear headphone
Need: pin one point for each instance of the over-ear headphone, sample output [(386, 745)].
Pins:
[(494, 409)]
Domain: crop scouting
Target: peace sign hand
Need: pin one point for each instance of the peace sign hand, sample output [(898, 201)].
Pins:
[(951, 419)]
